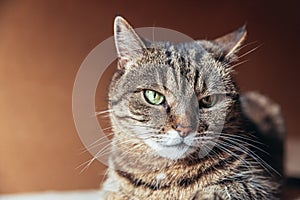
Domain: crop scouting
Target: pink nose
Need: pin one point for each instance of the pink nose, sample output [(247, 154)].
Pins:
[(183, 130)]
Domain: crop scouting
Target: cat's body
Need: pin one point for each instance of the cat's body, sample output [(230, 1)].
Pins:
[(181, 130)]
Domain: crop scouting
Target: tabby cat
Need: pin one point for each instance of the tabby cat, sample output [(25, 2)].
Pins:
[(182, 130)]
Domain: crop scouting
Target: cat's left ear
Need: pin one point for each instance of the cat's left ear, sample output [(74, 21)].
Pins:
[(128, 44), (230, 43)]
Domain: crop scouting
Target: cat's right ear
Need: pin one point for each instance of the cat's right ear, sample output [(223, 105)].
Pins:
[(128, 44)]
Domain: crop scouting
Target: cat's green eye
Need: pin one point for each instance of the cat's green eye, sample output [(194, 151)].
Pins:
[(208, 101), (153, 97)]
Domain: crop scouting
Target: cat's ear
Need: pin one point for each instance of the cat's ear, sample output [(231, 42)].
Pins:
[(230, 43), (128, 44), (224, 48)]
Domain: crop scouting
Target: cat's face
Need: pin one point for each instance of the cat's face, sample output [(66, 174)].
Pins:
[(173, 98)]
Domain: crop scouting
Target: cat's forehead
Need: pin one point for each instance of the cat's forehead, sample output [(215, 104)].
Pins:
[(191, 51), (185, 59), (183, 70)]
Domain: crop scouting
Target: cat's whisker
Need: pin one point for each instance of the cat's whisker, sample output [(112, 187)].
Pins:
[(242, 137), (250, 51), (96, 145), (86, 165), (232, 67), (107, 128), (103, 116), (227, 150), (103, 112), (82, 150), (243, 142), (97, 142), (131, 149), (246, 45), (247, 138), (105, 148), (259, 160), (105, 175)]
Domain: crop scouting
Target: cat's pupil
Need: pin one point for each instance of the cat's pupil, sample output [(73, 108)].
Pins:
[(208, 101)]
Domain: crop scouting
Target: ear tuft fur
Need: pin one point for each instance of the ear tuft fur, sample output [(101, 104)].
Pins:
[(128, 44), (230, 42)]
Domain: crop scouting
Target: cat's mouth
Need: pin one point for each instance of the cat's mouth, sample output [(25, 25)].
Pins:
[(173, 146), (172, 151), (178, 145), (174, 140)]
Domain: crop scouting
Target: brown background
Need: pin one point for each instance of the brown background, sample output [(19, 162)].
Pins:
[(42, 44)]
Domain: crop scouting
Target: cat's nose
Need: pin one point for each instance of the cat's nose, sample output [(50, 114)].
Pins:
[(183, 130)]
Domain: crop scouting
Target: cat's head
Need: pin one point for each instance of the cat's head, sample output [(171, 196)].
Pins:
[(172, 98)]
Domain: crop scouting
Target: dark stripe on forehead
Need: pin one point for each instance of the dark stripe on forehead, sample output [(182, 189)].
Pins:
[(203, 87), (196, 78), (184, 69)]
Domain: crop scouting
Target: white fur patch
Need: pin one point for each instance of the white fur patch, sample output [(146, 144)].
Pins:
[(171, 145)]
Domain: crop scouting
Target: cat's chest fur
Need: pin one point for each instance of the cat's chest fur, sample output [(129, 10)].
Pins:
[(177, 181)]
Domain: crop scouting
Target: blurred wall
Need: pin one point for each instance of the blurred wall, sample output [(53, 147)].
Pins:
[(42, 44)]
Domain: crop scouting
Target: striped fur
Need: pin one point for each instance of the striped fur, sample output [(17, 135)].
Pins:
[(216, 160)]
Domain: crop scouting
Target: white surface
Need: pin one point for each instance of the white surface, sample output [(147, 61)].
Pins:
[(73, 195)]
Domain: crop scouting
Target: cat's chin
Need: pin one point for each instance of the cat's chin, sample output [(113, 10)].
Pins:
[(173, 152)]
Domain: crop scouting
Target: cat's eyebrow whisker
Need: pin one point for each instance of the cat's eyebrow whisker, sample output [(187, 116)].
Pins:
[(153, 33), (250, 51), (231, 67), (246, 45)]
